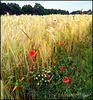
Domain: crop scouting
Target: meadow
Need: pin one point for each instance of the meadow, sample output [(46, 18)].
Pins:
[(46, 57)]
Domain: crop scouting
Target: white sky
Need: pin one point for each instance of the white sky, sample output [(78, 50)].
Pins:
[(63, 5)]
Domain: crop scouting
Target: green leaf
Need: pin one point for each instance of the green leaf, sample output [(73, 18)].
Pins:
[(4, 93), (3, 55), (11, 76), (27, 85), (18, 71), (83, 95), (42, 92), (51, 78), (22, 83), (33, 92), (30, 93), (17, 82), (25, 34), (28, 76)]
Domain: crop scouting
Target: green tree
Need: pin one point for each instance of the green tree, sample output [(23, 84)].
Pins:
[(38, 9), (67, 12), (14, 8), (27, 9), (3, 8)]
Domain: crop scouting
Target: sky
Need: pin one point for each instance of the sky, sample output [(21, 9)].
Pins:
[(63, 5)]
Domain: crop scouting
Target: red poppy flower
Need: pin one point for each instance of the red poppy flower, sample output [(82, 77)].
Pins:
[(57, 42), (51, 60), (48, 57), (48, 76), (61, 42), (65, 49), (66, 79), (31, 54), (34, 59), (60, 68)]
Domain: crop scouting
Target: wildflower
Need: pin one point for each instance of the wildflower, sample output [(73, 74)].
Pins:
[(31, 54), (37, 83), (42, 79), (45, 81), (31, 72), (48, 57), (57, 42), (36, 78), (60, 68), (48, 71), (34, 59), (45, 71), (49, 67), (51, 60), (48, 80), (61, 42), (38, 75), (65, 49), (42, 75), (48, 76), (42, 69), (66, 79)]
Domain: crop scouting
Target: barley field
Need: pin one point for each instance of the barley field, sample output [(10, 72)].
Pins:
[(56, 40)]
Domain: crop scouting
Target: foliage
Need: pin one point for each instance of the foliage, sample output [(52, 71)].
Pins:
[(14, 8), (4, 8), (38, 9), (27, 9), (82, 12)]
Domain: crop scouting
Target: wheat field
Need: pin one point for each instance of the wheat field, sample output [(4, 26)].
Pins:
[(43, 32), (21, 34)]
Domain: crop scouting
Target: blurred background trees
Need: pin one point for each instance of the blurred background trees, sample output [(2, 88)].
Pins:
[(38, 9), (27, 9)]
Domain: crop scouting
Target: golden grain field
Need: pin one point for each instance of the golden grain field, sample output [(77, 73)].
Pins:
[(43, 32)]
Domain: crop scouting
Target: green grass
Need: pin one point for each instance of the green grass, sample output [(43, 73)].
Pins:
[(78, 67)]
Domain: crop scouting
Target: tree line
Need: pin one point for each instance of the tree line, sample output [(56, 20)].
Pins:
[(38, 9)]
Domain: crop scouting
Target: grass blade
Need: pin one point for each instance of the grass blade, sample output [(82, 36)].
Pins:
[(25, 34)]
